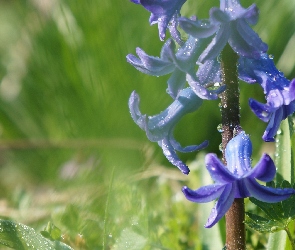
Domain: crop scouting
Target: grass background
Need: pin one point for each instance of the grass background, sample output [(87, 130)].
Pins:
[(69, 150)]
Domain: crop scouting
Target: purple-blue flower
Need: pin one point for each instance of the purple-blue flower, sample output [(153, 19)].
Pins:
[(163, 12), (182, 65), (230, 23), (160, 127), (237, 179), (279, 92)]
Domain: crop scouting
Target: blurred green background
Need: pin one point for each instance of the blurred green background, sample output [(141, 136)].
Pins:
[(69, 150)]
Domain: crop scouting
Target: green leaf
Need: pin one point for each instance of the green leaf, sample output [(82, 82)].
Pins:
[(51, 232), (22, 237), (285, 169), (277, 218), (283, 160), (130, 240)]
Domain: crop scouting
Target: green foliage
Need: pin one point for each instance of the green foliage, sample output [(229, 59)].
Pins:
[(71, 154), (277, 215), (21, 237)]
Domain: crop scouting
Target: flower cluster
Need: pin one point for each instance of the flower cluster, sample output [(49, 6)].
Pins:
[(195, 76)]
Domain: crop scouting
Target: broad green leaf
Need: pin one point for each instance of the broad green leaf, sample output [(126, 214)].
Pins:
[(22, 237), (262, 224)]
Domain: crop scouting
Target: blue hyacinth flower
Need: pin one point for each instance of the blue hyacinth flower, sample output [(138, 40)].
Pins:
[(181, 64), (159, 128), (230, 23), (279, 92), (163, 12), (237, 179)]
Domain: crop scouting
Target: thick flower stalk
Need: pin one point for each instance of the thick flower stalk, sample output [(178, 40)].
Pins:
[(237, 180), (159, 128)]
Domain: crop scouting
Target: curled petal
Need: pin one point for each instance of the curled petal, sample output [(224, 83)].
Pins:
[(149, 64), (136, 115), (171, 155), (264, 170), (267, 194), (162, 11), (251, 14), (262, 111), (218, 172), (187, 149), (204, 194), (197, 28), (222, 205)]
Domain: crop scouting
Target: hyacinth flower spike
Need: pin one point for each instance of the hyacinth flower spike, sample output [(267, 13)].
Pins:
[(279, 92), (164, 12), (230, 23), (159, 128), (237, 179), (181, 64)]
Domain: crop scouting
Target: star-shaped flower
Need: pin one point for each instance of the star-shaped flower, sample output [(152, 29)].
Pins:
[(181, 64), (230, 23), (163, 12), (160, 127), (279, 92), (237, 179)]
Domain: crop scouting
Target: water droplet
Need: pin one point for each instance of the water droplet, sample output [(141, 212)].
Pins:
[(219, 128), (264, 114)]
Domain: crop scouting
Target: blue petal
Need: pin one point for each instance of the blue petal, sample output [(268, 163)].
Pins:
[(222, 206), (217, 44), (273, 125), (176, 145), (171, 155), (267, 194), (162, 12), (150, 65), (262, 111), (202, 92), (209, 72), (176, 83), (217, 16), (251, 14), (218, 172), (245, 41), (204, 194), (264, 170), (159, 126), (197, 28), (136, 115), (238, 154)]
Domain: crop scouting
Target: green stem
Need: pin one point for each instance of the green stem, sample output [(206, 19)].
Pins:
[(290, 237), (230, 112)]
